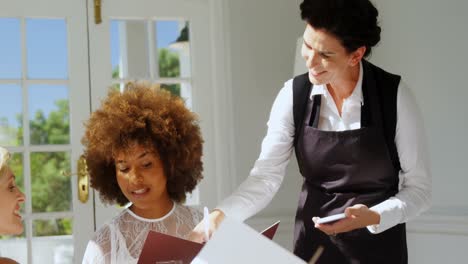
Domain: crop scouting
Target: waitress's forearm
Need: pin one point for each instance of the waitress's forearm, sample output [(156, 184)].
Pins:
[(254, 194), (247, 200), (407, 204), (389, 212)]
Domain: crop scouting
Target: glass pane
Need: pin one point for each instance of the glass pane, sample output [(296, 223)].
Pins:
[(173, 88), (129, 49), (51, 191), (46, 45), (52, 249), (180, 89), (10, 48), (118, 87), (11, 120), (14, 248), (56, 227), (173, 46), (49, 118)]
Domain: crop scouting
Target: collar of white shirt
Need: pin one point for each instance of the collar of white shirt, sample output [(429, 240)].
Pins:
[(354, 99)]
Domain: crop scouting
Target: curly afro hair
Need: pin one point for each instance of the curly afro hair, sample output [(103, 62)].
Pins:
[(152, 117)]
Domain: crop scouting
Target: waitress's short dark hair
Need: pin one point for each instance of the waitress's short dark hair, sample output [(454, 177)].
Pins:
[(354, 22)]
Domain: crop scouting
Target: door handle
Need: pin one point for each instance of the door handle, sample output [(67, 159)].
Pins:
[(97, 11), (83, 179)]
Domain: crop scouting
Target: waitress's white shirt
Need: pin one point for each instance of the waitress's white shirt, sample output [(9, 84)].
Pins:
[(265, 178)]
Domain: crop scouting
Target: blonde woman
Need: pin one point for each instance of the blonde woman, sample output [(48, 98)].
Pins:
[(10, 200)]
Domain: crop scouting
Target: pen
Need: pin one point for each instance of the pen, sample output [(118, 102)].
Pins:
[(316, 255), (206, 222)]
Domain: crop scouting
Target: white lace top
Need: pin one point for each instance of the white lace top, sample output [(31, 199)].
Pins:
[(122, 239)]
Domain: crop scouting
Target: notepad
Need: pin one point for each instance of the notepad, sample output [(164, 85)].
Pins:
[(271, 230), (160, 247), (234, 243)]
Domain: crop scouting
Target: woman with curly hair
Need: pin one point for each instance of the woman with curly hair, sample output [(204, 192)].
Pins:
[(10, 200), (144, 149)]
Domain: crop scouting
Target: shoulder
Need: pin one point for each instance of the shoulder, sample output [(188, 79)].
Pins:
[(99, 246), (285, 93), (303, 78), (191, 213), (103, 234), (289, 83), (406, 101), (384, 78), (403, 88), (299, 82), (100, 243), (284, 98)]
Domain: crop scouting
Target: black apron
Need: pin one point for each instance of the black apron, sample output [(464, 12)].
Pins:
[(341, 169)]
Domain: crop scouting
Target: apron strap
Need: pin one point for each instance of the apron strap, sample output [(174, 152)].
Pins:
[(315, 115), (370, 111)]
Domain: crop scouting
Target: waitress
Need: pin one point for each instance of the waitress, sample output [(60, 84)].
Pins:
[(359, 142)]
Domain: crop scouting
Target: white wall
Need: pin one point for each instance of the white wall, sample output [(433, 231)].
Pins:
[(262, 37), (423, 40)]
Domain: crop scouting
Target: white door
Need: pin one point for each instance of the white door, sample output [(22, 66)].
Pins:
[(44, 99), (48, 87), (165, 42)]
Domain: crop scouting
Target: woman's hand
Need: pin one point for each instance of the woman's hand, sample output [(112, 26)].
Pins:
[(357, 216), (198, 233)]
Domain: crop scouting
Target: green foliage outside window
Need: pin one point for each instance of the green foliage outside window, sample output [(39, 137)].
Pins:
[(169, 67), (50, 190)]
